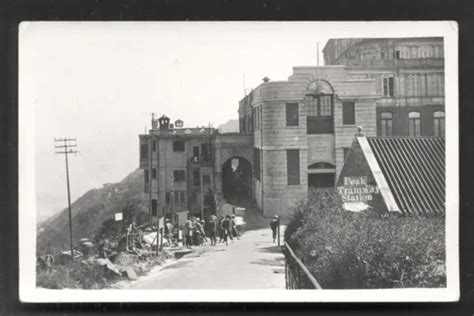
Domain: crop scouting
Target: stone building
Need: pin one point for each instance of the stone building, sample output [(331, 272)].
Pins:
[(409, 77), (301, 130), (188, 169)]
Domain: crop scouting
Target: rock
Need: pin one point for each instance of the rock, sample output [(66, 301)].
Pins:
[(131, 273), (126, 259)]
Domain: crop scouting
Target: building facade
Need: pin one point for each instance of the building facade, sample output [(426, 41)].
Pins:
[(409, 77), (301, 130), (191, 169), (178, 167)]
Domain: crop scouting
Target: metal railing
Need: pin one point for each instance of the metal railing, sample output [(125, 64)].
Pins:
[(297, 276)]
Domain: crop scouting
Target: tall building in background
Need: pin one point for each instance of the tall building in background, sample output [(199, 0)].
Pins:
[(409, 78)]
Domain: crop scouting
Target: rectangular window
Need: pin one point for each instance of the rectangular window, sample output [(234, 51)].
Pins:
[(178, 145), (153, 173), (176, 197), (147, 176), (348, 113), (179, 175), (154, 207), (154, 145), (388, 86), (414, 124), (345, 152), (292, 114), (206, 152), (397, 54), (382, 55), (293, 166), (182, 197), (196, 178), (196, 151), (206, 179), (144, 151), (168, 199), (256, 163), (386, 124)]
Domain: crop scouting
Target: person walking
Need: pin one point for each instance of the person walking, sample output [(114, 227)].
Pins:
[(169, 231), (233, 225), (188, 233), (274, 226), (212, 230), (221, 230), (226, 229)]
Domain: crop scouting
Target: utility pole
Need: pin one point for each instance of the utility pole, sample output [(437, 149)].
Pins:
[(317, 56), (172, 199), (63, 146)]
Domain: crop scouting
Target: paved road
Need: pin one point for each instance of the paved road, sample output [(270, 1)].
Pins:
[(253, 262)]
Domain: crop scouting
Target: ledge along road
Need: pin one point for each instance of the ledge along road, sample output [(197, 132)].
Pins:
[(253, 262)]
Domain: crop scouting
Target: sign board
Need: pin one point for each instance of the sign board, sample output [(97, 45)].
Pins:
[(356, 193), (118, 216), (161, 222), (182, 217)]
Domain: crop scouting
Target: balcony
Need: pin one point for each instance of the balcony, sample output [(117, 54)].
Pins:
[(200, 161)]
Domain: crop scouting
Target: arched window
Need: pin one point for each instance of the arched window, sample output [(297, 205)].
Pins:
[(322, 165), (321, 175), (386, 124), (320, 103), (438, 120), (414, 123)]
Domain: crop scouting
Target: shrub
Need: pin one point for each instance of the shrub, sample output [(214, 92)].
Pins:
[(76, 275), (363, 250)]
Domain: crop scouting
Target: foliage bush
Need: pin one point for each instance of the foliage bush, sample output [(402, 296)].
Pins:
[(76, 275), (365, 250)]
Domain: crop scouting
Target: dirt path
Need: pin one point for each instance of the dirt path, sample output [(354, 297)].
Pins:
[(253, 262)]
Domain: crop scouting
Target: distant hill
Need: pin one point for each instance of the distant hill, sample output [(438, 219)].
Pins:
[(91, 210), (231, 126)]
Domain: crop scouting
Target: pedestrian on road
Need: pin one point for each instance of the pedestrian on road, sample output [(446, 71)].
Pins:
[(274, 226), (219, 227), (212, 230), (226, 227), (169, 231), (199, 231), (188, 233), (233, 225)]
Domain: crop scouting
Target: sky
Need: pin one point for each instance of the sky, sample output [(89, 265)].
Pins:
[(100, 82)]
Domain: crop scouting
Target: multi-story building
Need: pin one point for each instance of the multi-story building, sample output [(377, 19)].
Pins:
[(189, 169), (409, 77), (301, 129), (178, 166)]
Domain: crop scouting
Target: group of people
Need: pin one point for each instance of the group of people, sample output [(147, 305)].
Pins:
[(197, 231)]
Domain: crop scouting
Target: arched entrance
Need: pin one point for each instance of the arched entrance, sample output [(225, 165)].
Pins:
[(236, 178), (321, 175)]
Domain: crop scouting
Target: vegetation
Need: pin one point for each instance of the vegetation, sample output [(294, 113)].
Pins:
[(364, 250), (89, 275), (93, 215)]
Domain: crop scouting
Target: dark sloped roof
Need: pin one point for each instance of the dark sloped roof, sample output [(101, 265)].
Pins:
[(414, 168)]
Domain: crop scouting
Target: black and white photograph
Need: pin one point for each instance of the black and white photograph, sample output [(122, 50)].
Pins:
[(238, 161)]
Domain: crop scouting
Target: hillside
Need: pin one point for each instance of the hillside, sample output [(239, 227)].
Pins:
[(232, 126), (91, 210)]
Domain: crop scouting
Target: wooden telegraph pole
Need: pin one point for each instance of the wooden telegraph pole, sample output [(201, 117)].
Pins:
[(63, 146)]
